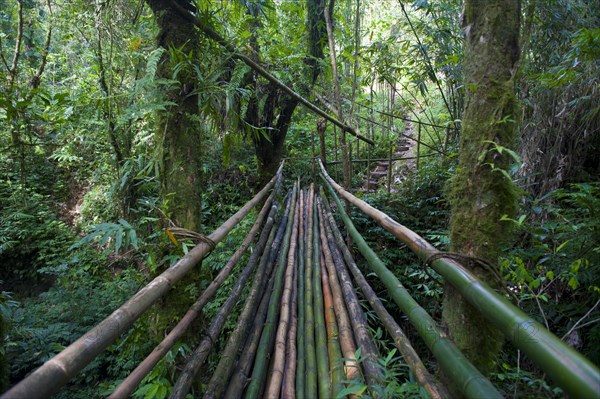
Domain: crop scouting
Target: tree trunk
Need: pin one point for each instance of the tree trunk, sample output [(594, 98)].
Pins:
[(177, 131), (482, 192)]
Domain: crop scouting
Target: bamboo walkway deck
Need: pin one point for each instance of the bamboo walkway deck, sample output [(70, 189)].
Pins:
[(302, 332)]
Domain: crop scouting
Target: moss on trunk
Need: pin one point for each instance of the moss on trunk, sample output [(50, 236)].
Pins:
[(179, 132), (482, 192)]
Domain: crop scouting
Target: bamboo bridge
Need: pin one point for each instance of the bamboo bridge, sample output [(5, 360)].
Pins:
[(302, 327)]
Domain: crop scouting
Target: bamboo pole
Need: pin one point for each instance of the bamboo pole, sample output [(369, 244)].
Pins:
[(288, 388), (129, 384), (323, 377), (185, 380), (227, 358), (300, 366), (373, 372), (264, 73), (309, 322), (56, 372), (570, 370), (426, 380), (259, 370), (389, 171), (346, 336), (419, 148), (281, 338), (239, 376), (333, 345)]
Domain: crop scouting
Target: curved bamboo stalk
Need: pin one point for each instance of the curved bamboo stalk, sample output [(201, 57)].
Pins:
[(185, 380), (373, 372), (467, 378), (281, 338), (426, 380), (333, 344), (56, 372), (323, 377), (130, 383), (569, 369), (309, 322), (221, 375), (300, 366), (266, 340)]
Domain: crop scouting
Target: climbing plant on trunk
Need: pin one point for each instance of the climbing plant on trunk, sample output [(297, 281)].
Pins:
[(482, 192), (270, 108), (179, 130)]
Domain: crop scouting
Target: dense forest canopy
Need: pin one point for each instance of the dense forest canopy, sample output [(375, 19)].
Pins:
[(132, 129)]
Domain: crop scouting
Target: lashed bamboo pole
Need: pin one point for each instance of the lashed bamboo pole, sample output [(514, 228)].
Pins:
[(259, 370), (185, 380), (57, 371), (570, 370), (300, 366), (333, 345), (323, 378), (346, 336), (373, 372), (281, 338), (426, 380), (130, 383), (226, 362), (467, 378), (310, 390)]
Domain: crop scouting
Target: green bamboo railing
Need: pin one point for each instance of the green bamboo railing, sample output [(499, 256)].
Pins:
[(410, 356), (468, 380), (569, 369), (129, 384)]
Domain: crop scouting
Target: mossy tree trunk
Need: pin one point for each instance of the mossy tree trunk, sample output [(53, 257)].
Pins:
[(482, 192), (178, 130)]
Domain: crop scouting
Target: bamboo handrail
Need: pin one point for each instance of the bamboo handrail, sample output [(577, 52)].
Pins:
[(410, 356), (469, 381), (129, 384), (56, 372), (569, 369)]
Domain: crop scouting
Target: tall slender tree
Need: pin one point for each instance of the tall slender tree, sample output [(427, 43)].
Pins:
[(482, 191)]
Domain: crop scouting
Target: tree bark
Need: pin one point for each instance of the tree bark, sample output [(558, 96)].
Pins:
[(177, 131), (482, 191)]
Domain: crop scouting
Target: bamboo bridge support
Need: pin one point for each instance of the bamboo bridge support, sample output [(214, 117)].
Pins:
[(301, 324)]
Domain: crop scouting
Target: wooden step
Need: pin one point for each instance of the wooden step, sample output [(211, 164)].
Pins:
[(402, 149), (371, 182), (383, 164), (383, 173)]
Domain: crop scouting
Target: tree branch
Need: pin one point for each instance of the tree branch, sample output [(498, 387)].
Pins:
[(264, 73)]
